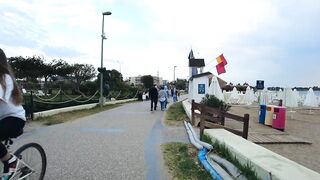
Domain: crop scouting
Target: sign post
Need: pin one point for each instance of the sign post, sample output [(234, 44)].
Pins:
[(259, 87)]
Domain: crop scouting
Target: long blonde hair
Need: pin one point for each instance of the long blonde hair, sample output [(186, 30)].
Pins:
[(5, 68)]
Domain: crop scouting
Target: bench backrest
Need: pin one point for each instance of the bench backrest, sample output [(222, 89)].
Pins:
[(215, 118)]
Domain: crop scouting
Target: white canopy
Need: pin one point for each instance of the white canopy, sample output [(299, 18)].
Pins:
[(290, 100), (311, 99), (214, 88), (248, 96), (264, 98), (280, 94), (234, 97)]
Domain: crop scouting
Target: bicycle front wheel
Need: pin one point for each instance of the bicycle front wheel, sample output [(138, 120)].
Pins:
[(33, 162)]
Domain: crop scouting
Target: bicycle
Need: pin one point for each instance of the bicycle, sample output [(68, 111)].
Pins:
[(33, 161)]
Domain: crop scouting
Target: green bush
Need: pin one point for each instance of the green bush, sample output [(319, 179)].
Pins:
[(214, 102), (89, 87)]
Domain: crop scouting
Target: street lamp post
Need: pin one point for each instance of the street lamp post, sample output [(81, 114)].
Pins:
[(103, 37), (174, 73)]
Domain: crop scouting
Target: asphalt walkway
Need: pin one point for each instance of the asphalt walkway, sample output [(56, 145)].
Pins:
[(121, 143)]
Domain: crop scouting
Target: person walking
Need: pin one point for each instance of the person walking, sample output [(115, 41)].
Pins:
[(174, 95), (153, 94), (163, 97), (12, 115), (144, 96)]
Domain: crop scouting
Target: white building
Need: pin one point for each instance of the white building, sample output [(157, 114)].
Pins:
[(198, 86), (196, 66), (136, 80)]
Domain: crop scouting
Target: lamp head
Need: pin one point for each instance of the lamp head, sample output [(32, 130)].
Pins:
[(106, 13)]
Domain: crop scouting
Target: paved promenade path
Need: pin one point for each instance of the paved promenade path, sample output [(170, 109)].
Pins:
[(121, 143)]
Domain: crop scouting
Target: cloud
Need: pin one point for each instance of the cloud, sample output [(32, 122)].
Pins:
[(267, 39), (19, 29), (61, 52)]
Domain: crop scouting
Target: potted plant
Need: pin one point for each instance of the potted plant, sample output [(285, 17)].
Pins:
[(214, 102)]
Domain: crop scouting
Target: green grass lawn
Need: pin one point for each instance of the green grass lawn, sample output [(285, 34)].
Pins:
[(175, 114), (181, 158)]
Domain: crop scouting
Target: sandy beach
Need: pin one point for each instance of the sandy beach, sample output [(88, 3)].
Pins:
[(301, 123)]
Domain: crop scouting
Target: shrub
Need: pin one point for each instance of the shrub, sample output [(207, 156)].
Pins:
[(214, 102)]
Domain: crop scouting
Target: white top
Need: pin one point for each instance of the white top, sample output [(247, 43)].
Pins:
[(7, 108), (163, 95)]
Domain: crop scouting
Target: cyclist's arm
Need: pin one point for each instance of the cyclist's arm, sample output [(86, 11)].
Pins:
[(5, 95), (1, 93)]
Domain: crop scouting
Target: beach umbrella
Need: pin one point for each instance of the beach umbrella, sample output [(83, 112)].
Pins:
[(252, 95), (289, 98), (273, 95), (311, 99), (225, 96), (256, 96), (214, 88), (248, 96), (234, 97), (296, 95), (280, 94), (264, 97)]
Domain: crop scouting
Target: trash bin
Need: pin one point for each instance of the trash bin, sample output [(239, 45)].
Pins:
[(279, 118), (262, 113), (269, 115)]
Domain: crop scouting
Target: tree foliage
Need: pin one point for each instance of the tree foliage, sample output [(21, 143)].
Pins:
[(58, 73), (29, 68), (181, 84), (147, 81), (82, 73), (61, 68), (213, 101), (112, 79)]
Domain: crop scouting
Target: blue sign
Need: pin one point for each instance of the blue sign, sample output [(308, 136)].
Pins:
[(260, 84), (201, 89)]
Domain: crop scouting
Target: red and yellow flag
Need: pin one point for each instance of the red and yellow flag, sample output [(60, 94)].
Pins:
[(221, 59), (220, 68), (221, 63)]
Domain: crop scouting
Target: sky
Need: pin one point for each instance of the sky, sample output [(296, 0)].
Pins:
[(271, 40)]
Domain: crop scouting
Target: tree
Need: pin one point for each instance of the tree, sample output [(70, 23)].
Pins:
[(147, 81), (29, 68), (61, 68), (111, 78), (47, 72), (181, 84), (114, 79), (82, 73), (17, 64)]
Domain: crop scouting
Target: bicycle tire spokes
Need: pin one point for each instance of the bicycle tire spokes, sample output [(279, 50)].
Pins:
[(33, 161), (24, 171)]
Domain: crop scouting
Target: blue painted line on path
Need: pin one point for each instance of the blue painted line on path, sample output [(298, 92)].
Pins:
[(151, 149)]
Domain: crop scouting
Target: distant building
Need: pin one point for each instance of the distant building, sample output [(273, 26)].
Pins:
[(199, 81), (136, 80), (165, 82), (196, 66), (198, 86)]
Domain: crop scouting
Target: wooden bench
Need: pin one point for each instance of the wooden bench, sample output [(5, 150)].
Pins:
[(215, 118)]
